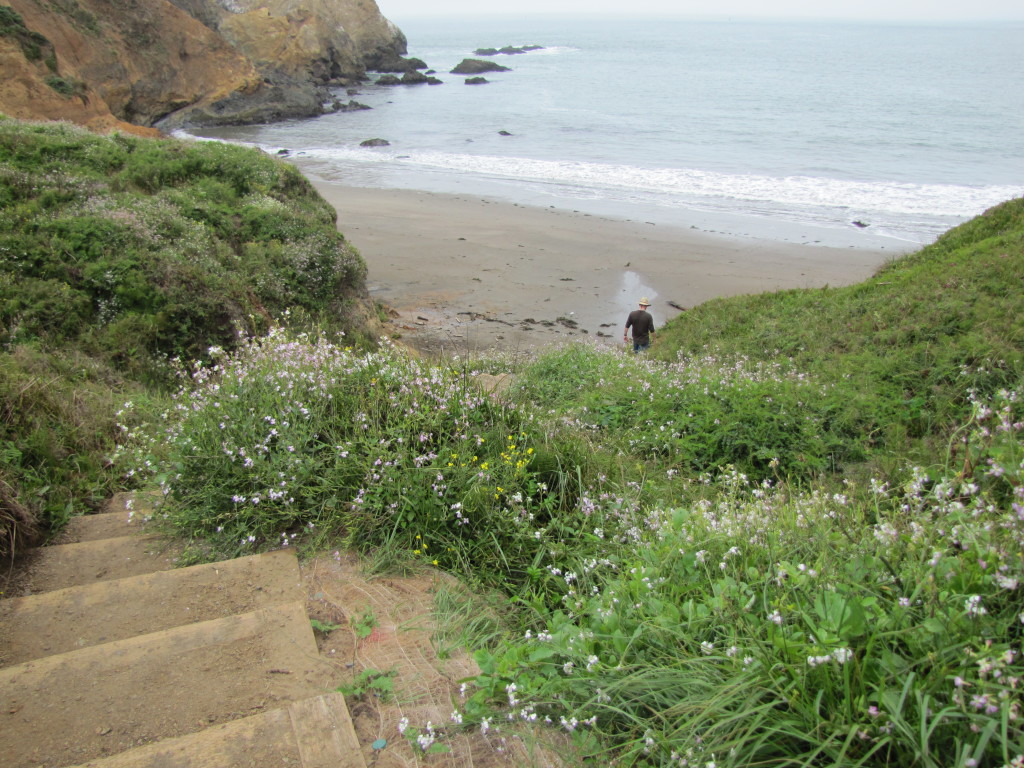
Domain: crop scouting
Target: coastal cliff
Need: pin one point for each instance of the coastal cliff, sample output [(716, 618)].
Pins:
[(134, 65)]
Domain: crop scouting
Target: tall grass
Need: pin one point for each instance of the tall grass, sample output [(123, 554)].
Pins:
[(665, 617)]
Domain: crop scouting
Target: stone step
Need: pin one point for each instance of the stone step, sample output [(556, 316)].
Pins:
[(94, 702), (76, 617), (71, 565), (312, 733)]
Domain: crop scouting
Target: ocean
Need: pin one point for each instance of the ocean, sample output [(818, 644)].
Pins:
[(845, 134)]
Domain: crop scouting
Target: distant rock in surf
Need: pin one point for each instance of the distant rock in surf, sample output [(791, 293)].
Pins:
[(375, 143), (508, 50), (476, 81), (477, 67)]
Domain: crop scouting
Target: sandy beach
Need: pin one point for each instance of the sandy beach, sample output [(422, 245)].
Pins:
[(464, 274)]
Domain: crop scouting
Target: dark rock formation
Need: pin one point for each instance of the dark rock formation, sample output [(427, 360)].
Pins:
[(476, 81), (399, 64), (477, 67), (352, 106), (375, 143), (412, 77), (509, 50)]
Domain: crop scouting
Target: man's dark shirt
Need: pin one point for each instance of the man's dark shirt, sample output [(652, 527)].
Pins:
[(642, 323)]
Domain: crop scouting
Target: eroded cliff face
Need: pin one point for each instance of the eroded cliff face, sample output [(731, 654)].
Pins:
[(123, 63)]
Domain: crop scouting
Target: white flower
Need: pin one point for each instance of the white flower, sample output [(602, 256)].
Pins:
[(974, 607), (842, 655), (1005, 582)]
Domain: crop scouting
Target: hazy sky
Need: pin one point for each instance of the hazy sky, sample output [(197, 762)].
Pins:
[(918, 10)]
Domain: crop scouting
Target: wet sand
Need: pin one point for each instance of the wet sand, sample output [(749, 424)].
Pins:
[(465, 274)]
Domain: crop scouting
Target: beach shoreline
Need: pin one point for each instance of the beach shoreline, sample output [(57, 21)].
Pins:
[(464, 274)]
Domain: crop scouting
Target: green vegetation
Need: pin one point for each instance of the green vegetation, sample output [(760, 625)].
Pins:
[(33, 45), (119, 254), (324, 627), (799, 541), (371, 682), (796, 539)]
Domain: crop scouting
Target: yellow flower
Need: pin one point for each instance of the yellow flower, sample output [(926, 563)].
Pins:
[(415, 551), (434, 562)]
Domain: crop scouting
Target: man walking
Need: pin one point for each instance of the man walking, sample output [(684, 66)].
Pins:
[(642, 323)]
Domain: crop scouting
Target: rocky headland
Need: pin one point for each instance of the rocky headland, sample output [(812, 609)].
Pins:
[(139, 67)]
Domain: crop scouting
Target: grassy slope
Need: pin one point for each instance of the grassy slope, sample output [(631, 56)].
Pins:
[(902, 344), (691, 581), (118, 254)]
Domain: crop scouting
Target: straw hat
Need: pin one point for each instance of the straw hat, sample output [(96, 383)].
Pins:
[(645, 302)]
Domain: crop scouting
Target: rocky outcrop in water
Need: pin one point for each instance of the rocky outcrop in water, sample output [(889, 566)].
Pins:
[(130, 64), (477, 67), (509, 50)]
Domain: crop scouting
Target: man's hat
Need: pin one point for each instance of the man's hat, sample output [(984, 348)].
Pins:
[(645, 302)]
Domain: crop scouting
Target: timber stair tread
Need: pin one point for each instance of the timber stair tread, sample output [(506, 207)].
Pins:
[(67, 619), (307, 734), (121, 660), (86, 562)]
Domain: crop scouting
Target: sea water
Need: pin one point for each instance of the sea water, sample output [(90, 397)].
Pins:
[(851, 134)]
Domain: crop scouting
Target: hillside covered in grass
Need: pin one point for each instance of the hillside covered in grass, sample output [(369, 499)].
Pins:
[(796, 538), (119, 254)]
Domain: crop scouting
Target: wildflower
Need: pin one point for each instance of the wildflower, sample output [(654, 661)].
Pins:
[(775, 617), (427, 738), (403, 724), (485, 725), (973, 606), (1005, 582), (707, 648), (842, 655)]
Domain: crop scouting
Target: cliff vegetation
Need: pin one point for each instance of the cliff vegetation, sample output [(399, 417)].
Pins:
[(121, 254)]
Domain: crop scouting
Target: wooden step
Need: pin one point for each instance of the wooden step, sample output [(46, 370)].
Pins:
[(312, 733), (124, 515), (102, 612), (105, 525), (86, 562), (97, 701)]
